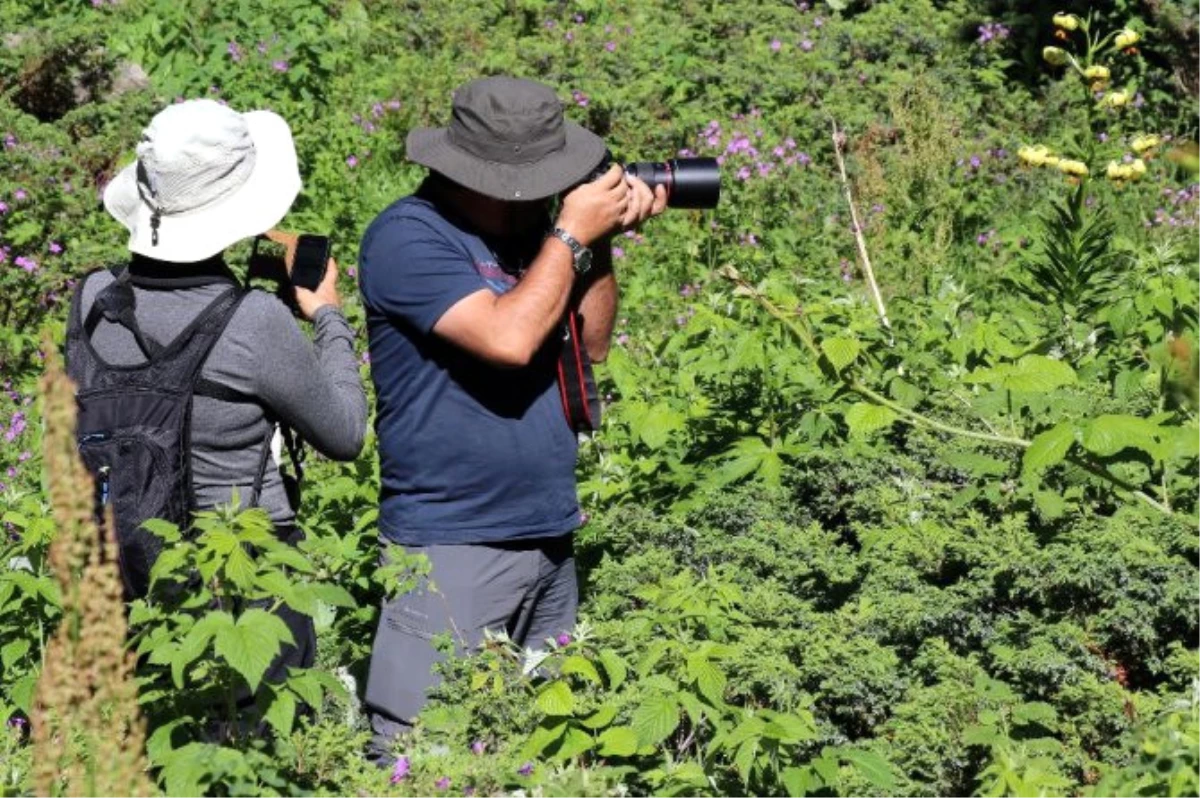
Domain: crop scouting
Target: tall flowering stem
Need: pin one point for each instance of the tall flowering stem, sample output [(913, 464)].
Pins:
[(88, 734), (838, 138)]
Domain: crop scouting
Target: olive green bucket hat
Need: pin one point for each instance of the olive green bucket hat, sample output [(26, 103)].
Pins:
[(508, 140)]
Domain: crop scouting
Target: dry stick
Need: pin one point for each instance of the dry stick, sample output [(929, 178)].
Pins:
[(919, 420), (858, 236)]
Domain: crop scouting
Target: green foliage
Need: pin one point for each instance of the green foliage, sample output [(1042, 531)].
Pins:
[(955, 556)]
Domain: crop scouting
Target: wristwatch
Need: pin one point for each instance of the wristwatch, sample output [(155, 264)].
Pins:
[(581, 255)]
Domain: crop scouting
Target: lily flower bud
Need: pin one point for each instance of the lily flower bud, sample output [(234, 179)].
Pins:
[(1126, 38), (1066, 21), (1054, 56), (1115, 99)]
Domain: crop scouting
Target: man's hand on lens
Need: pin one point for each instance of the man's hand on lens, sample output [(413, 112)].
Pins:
[(643, 203), (310, 302), (594, 210)]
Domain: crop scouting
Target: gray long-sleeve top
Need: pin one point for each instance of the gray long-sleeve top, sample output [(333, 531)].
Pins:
[(313, 386)]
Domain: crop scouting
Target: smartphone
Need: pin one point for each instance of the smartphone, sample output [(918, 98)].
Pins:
[(312, 258)]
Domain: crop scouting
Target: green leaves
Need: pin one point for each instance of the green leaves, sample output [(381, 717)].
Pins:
[(556, 698), (655, 719), (249, 645), (1048, 449), (618, 741), (841, 351), (1030, 374), (864, 418), (1109, 434)]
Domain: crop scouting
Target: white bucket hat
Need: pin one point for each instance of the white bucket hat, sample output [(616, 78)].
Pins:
[(205, 177)]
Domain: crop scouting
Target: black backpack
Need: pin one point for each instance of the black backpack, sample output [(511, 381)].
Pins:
[(134, 423)]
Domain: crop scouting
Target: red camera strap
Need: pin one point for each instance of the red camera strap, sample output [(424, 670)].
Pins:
[(576, 385)]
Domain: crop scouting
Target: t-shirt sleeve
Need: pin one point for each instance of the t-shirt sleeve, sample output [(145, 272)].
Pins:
[(410, 270)]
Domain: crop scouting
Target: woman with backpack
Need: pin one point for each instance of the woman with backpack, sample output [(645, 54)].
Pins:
[(183, 375)]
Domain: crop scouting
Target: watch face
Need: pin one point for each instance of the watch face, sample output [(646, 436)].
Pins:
[(583, 261)]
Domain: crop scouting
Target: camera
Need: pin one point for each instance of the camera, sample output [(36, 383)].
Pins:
[(690, 182)]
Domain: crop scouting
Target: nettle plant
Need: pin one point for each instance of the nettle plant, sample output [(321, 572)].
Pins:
[(649, 706)]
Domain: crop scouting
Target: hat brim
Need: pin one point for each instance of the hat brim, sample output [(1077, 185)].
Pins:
[(558, 171), (257, 206)]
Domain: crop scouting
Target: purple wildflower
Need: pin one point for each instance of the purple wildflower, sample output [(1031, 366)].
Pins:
[(991, 31), (3, 207), (563, 639), (806, 45), (818, 22), (400, 769), (580, 98), (16, 427), (976, 162), (776, 45), (352, 161), (55, 248), (279, 66), (443, 783), (743, 173), (261, 47), (622, 339), (803, 159), (20, 194), (235, 51), (10, 141), (610, 46), (28, 264), (618, 252), (478, 747), (525, 769)]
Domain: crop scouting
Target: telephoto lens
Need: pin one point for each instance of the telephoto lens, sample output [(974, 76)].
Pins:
[(690, 182)]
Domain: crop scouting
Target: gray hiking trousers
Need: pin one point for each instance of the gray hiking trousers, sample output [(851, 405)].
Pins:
[(526, 588)]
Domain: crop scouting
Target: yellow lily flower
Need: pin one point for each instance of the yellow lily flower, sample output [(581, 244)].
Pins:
[(1069, 167), (1143, 143), (1034, 156), (1097, 73)]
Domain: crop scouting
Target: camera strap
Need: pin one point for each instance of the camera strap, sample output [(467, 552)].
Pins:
[(576, 385)]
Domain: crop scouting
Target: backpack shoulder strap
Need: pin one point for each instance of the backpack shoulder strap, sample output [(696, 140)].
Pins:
[(202, 386)]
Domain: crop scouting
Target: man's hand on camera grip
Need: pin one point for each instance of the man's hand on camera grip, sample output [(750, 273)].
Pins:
[(594, 210)]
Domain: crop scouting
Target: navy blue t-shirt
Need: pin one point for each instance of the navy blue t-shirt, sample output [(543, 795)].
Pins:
[(469, 452)]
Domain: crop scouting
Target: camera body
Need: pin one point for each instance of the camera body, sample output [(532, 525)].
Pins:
[(690, 182)]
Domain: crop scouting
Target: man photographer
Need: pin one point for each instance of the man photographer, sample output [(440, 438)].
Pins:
[(466, 284)]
